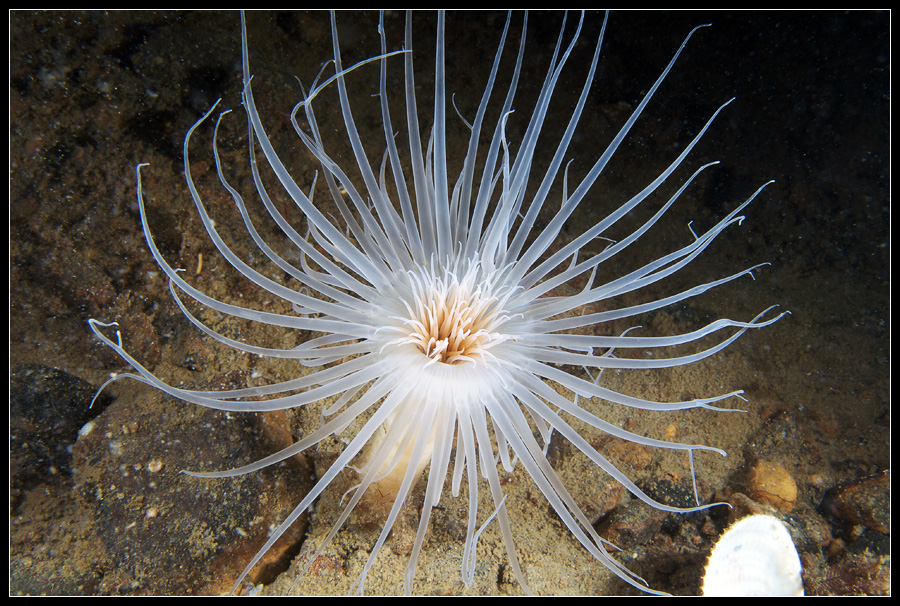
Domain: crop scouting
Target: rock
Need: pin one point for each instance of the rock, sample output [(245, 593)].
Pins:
[(866, 502), (47, 406), (176, 534), (771, 483)]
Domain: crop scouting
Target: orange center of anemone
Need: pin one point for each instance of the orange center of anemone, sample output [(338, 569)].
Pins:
[(453, 327)]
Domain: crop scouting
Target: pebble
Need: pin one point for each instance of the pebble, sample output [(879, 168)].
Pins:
[(771, 483)]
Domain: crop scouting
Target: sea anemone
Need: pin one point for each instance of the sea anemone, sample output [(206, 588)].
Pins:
[(439, 334)]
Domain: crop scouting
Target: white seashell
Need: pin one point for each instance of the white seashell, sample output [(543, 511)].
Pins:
[(755, 557)]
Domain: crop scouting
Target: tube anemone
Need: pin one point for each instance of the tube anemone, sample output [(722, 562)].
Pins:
[(438, 333)]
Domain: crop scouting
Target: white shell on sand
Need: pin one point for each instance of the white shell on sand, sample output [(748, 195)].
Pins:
[(755, 557)]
